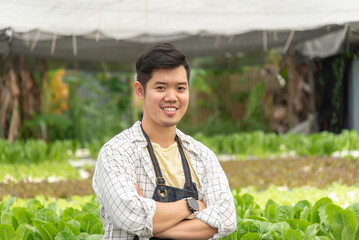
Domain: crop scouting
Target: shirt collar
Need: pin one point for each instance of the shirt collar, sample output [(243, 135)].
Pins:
[(186, 141), (137, 135)]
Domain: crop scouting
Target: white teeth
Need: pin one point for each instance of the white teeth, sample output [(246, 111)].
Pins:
[(169, 109)]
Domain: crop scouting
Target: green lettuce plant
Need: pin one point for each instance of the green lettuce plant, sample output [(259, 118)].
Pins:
[(37, 221), (321, 221), (263, 145)]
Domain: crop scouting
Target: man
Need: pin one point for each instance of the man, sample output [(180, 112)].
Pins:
[(152, 180)]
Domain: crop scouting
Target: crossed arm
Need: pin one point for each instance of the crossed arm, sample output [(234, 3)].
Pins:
[(169, 221), (125, 213)]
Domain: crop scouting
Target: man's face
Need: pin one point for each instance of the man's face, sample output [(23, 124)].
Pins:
[(166, 97)]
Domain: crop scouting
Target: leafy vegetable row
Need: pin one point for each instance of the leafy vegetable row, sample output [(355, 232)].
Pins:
[(321, 221), (80, 219), (38, 221), (260, 144), (35, 172), (256, 143), (36, 151), (342, 195)]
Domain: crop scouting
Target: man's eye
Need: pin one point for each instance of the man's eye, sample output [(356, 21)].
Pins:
[(160, 87), (181, 88)]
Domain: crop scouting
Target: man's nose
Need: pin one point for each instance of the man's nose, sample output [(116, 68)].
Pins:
[(171, 95)]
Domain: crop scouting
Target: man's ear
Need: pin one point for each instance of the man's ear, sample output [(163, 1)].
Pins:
[(140, 91)]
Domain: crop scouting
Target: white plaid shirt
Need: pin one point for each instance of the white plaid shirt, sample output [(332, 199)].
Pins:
[(123, 161)]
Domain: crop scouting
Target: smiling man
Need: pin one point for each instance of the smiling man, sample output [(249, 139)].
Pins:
[(152, 180)]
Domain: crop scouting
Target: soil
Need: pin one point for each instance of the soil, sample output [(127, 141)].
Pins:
[(60, 189), (298, 172)]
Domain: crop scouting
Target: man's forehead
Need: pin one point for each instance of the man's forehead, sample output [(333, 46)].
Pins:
[(176, 75)]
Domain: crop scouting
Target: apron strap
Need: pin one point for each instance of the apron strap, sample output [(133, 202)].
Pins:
[(160, 181), (152, 155), (186, 169)]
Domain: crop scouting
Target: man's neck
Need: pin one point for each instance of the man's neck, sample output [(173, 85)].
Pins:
[(164, 136)]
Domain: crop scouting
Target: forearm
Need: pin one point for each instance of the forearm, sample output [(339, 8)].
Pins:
[(189, 229), (169, 214)]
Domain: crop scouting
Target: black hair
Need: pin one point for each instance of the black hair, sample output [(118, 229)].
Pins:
[(159, 55)]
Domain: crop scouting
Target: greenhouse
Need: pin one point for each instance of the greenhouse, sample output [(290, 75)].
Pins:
[(273, 94)]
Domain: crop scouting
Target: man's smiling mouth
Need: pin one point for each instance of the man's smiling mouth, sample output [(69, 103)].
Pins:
[(170, 109)]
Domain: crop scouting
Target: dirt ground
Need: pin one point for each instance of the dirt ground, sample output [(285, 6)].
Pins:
[(318, 172)]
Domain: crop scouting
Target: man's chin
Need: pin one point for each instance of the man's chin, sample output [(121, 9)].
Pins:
[(170, 123)]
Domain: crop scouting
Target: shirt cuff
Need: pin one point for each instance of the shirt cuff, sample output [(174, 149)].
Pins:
[(210, 216), (149, 206)]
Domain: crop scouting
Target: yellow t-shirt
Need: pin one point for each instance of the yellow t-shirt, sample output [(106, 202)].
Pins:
[(169, 160)]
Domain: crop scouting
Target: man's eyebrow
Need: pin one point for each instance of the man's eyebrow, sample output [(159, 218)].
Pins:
[(183, 83), (165, 83), (160, 83)]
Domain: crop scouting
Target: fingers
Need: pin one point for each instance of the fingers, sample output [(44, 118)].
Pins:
[(139, 191), (201, 205)]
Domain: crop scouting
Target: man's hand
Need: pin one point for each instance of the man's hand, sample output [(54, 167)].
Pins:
[(139, 191), (201, 205)]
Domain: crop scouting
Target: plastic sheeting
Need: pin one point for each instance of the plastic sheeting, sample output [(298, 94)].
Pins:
[(324, 46), (118, 30)]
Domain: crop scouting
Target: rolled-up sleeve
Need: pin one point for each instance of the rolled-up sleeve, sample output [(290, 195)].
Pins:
[(215, 193), (120, 203)]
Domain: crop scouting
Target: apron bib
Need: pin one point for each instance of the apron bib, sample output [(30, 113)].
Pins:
[(164, 193)]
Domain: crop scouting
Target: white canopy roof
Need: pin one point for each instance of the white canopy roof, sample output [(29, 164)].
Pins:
[(119, 29)]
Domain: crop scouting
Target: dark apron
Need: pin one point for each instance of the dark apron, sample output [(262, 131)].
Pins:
[(164, 193)]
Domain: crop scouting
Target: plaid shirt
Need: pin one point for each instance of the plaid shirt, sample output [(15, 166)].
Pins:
[(123, 161)]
